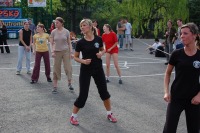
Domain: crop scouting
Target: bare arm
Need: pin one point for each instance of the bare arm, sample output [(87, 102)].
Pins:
[(21, 38), (166, 82), (83, 61), (112, 46), (34, 47), (101, 52)]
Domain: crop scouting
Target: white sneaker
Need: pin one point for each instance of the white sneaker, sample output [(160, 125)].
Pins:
[(18, 73)]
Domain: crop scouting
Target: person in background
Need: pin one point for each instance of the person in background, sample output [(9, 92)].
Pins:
[(153, 47), (25, 40), (32, 26), (73, 39), (61, 49), (40, 49), (110, 41), (92, 50), (120, 32), (52, 26), (128, 39), (96, 26), (170, 39), (185, 89), (179, 44), (3, 38)]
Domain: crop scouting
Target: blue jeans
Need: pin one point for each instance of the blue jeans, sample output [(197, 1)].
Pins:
[(21, 51), (121, 39)]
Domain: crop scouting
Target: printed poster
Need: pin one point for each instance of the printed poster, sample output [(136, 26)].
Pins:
[(36, 3), (6, 3)]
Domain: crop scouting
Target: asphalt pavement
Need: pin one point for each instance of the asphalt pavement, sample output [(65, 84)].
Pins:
[(137, 104)]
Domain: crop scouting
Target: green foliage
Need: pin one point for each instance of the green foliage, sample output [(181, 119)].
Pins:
[(146, 16)]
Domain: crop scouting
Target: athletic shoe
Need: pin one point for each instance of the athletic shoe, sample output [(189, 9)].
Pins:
[(107, 80), (120, 81), (70, 87), (33, 82), (131, 49), (28, 72), (18, 73), (111, 118), (54, 91), (74, 121), (49, 80)]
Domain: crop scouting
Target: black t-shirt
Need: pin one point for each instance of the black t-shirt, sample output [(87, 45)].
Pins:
[(26, 37), (89, 50), (187, 71)]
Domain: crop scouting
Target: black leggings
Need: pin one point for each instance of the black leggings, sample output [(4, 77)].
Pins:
[(174, 110), (84, 83), (3, 41)]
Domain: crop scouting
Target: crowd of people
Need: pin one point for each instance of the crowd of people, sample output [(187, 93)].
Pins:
[(181, 48)]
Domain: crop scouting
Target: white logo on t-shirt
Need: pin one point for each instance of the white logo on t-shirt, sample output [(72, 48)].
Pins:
[(96, 45), (196, 64)]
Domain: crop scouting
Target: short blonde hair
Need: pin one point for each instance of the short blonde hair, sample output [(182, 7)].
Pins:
[(89, 23)]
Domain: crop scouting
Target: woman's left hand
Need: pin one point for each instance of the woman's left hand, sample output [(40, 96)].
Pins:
[(109, 50), (99, 55), (196, 99), (72, 55)]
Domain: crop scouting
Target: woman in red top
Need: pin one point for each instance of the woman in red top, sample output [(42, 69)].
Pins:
[(110, 41)]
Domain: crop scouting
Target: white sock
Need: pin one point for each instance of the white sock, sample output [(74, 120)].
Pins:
[(74, 115), (119, 77), (109, 112), (107, 77)]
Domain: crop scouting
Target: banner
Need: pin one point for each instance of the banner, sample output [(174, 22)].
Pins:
[(10, 13), (6, 3), (36, 3), (13, 26)]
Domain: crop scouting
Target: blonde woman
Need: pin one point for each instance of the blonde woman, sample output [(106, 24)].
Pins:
[(61, 52), (92, 49), (40, 49)]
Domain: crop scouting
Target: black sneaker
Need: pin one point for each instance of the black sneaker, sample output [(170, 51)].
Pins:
[(120, 81), (70, 87), (54, 91), (33, 82), (49, 80)]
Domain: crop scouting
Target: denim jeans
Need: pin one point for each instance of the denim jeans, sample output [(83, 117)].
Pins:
[(121, 39), (21, 51)]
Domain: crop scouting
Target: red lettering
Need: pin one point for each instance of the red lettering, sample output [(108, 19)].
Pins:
[(1, 13), (5, 13), (10, 13), (16, 13)]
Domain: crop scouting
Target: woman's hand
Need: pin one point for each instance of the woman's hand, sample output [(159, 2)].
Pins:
[(196, 99), (167, 97), (109, 50), (53, 54), (28, 48), (87, 61), (72, 55), (99, 55)]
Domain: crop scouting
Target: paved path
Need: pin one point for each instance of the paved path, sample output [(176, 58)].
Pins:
[(138, 103)]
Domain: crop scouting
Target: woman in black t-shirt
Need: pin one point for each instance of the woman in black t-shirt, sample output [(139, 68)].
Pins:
[(185, 89), (92, 49)]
